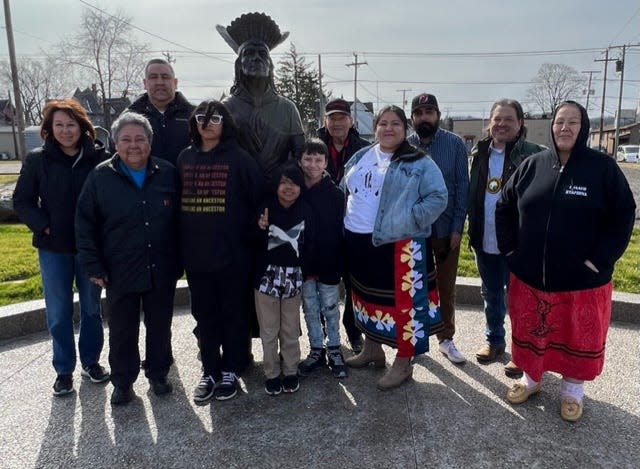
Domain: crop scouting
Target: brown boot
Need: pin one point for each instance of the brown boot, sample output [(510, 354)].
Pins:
[(400, 371), (372, 353)]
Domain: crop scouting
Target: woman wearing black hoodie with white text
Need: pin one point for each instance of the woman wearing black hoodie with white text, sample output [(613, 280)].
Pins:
[(564, 219)]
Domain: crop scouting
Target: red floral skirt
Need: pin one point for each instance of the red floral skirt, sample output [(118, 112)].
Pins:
[(563, 332)]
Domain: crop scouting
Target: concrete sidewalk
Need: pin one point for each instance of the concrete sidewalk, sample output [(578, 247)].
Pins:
[(447, 416)]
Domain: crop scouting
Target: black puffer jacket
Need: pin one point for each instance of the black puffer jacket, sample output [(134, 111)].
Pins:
[(170, 129), (47, 191), (551, 219), (130, 234)]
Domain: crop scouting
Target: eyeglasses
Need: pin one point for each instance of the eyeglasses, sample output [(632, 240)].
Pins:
[(215, 119)]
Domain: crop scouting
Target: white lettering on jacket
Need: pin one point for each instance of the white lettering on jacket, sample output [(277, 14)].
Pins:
[(576, 190)]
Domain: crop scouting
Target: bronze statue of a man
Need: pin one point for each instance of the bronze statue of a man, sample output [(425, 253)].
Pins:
[(269, 123)]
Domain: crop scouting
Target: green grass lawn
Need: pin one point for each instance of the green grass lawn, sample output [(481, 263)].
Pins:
[(20, 274), (8, 178), (626, 276), (19, 269)]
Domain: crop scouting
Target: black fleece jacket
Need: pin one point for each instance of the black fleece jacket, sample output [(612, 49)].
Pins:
[(551, 219)]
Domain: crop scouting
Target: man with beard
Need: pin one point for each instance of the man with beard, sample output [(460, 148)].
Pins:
[(450, 154), (166, 109)]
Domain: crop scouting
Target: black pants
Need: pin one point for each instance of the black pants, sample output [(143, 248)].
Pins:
[(124, 329), (348, 317), (219, 308)]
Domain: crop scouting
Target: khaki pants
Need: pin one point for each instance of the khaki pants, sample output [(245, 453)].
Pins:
[(447, 272), (279, 320)]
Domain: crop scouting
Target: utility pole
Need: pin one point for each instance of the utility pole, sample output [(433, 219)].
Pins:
[(589, 90), (14, 79), (320, 93), (404, 92), (355, 64), (620, 68), (606, 61)]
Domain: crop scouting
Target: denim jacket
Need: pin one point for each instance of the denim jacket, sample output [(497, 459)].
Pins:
[(413, 195)]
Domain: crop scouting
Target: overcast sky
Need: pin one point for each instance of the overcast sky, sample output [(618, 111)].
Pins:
[(455, 49)]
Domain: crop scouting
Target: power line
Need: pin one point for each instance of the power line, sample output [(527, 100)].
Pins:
[(625, 25), (157, 36)]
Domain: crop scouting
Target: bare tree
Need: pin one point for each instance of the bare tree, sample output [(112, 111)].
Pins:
[(106, 50), (40, 80), (553, 84)]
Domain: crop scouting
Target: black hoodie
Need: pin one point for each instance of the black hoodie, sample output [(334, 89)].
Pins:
[(551, 219)]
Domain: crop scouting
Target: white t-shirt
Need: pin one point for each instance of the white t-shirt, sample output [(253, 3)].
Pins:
[(364, 183), (493, 189)]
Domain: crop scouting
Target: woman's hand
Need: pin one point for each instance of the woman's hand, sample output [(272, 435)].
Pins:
[(263, 221)]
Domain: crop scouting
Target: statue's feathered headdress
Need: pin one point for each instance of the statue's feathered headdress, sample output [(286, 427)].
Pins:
[(252, 26)]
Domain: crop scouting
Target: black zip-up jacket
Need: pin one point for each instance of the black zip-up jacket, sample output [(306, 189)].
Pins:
[(354, 143), (47, 192), (126, 233), (327, 203), (221, 192), (550, 220), (515, 153), (170, 128)]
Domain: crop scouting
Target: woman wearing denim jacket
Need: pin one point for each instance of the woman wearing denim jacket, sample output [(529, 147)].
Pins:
[(394, 193)]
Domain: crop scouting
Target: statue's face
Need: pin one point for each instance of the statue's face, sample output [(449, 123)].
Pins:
[(255, 60)]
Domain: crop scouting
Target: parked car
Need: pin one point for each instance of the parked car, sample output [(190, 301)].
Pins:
[(628, 153)]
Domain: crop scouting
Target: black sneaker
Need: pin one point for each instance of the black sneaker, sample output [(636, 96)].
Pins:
[(204, 391), (273, 386), (95, 373), (160, 386), (290, 384), (121, 395), (227, 388), (314, 361), (63, 385), (336, 363)]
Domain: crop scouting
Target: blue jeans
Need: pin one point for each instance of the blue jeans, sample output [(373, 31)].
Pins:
[(319, 298), (494, 274), (58, 271)]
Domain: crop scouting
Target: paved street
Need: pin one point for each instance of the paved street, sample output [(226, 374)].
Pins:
[(447, 416)]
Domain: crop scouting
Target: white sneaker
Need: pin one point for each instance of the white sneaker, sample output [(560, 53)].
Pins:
[(449, 350)]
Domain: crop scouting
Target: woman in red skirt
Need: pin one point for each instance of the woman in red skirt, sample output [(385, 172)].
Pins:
[(564, 219), (394, 193)]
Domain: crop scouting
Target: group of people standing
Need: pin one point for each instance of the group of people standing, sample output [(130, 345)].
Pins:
[(262, 226)]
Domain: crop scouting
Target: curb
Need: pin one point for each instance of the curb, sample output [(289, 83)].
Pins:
[(26, 318)]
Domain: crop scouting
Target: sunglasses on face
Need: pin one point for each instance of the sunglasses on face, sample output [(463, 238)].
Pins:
[(214, 119)]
